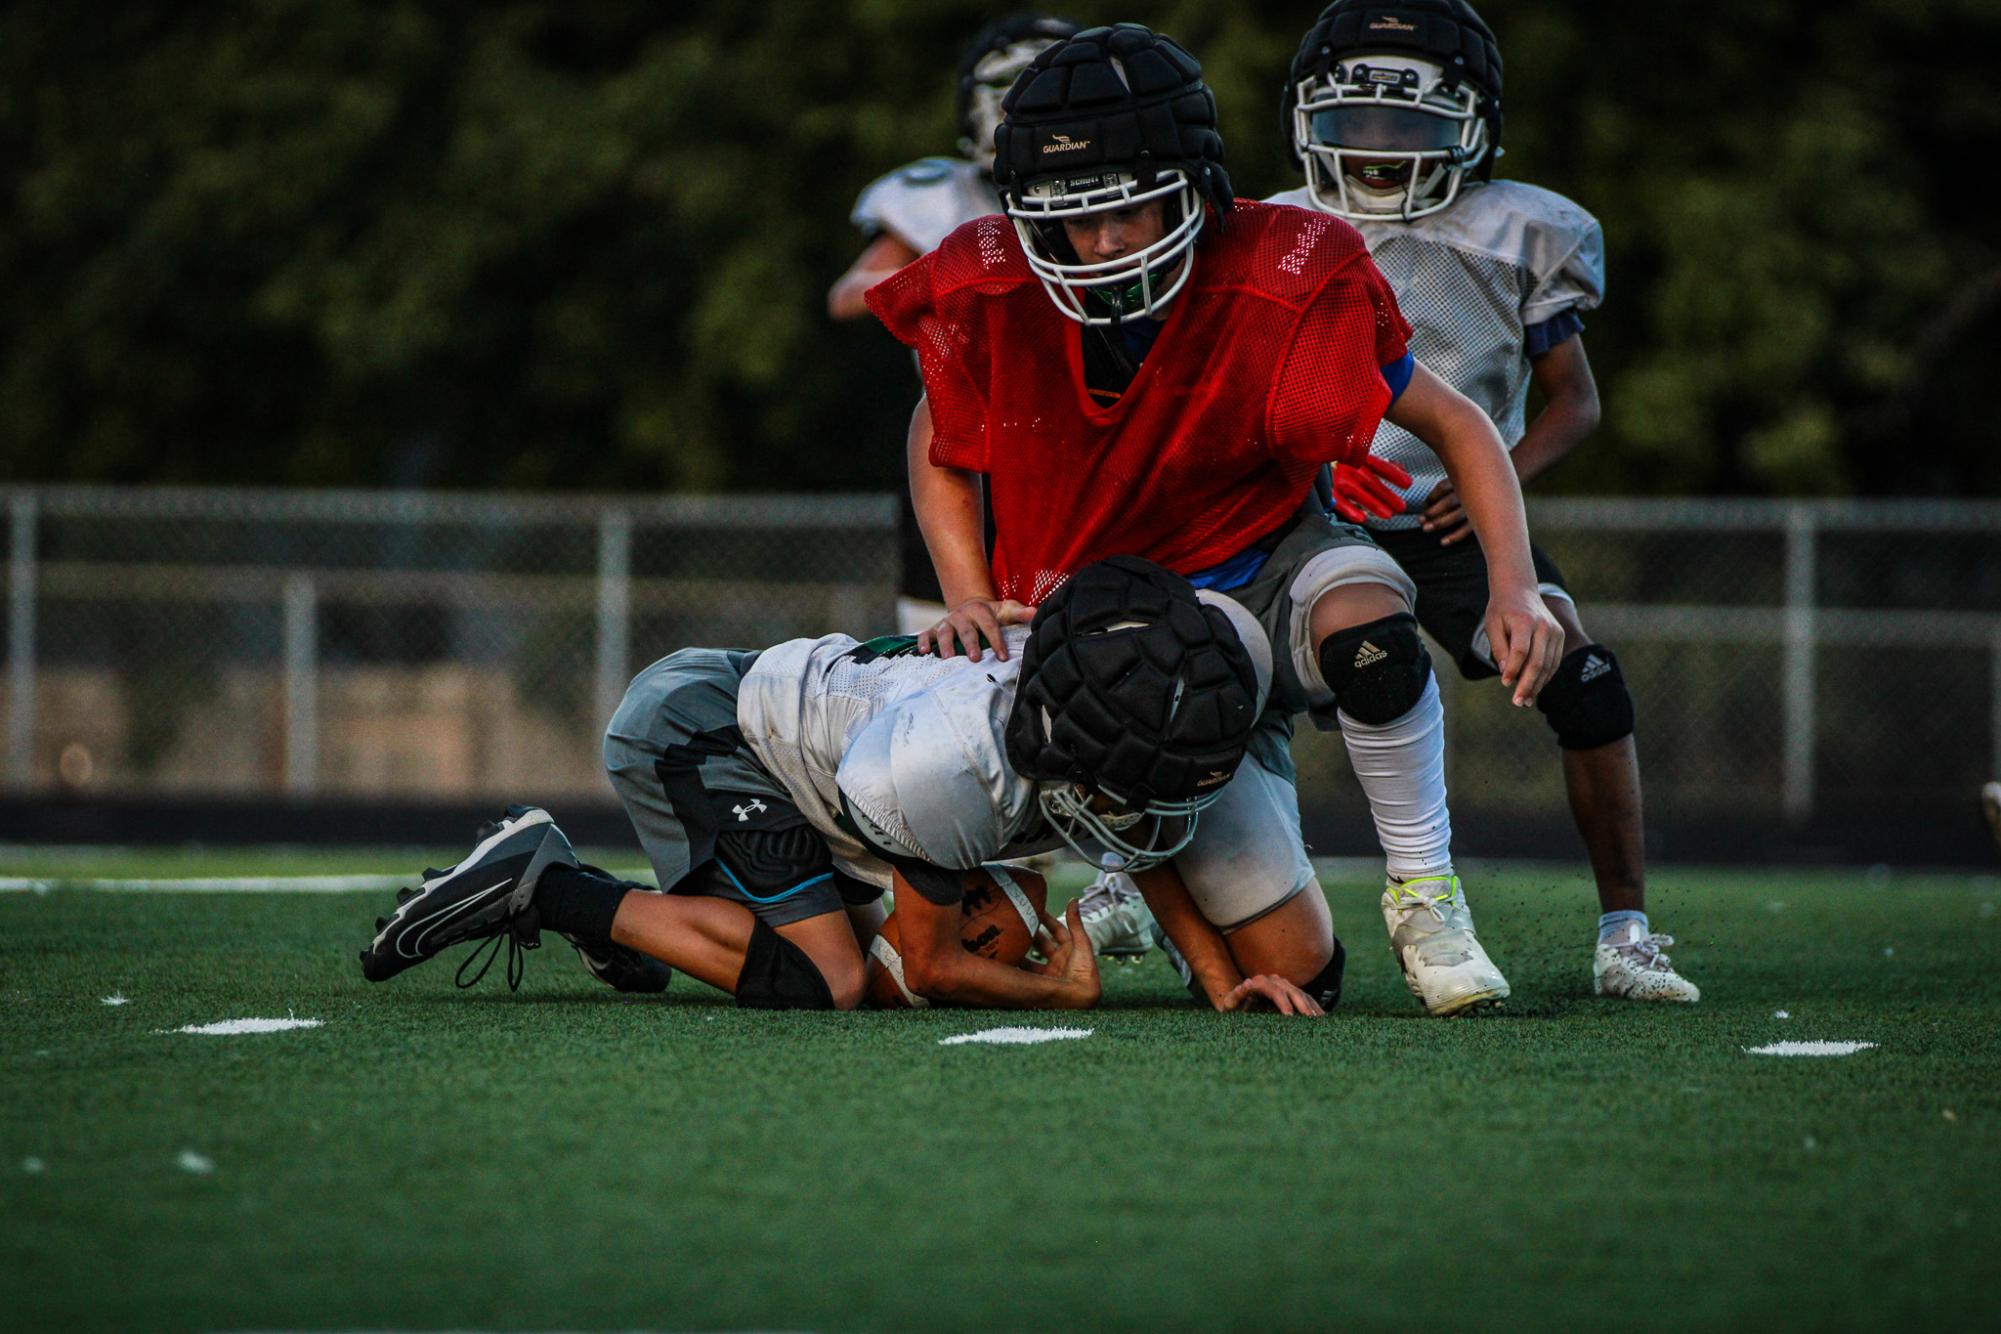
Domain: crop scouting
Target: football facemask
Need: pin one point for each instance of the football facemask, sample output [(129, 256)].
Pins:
[(1382, 137), (1139, 283), (1140, 838)]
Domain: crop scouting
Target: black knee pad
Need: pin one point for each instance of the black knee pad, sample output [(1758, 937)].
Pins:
[(778, 975), (1326, 985), (1586, 702), (1376, 671)]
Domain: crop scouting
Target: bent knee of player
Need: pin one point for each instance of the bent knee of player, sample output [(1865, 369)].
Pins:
[(1348, 605), (1294, 940)]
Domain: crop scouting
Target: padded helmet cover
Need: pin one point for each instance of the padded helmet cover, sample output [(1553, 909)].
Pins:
[(1447, 31), (1132, 687), (1118, 98)]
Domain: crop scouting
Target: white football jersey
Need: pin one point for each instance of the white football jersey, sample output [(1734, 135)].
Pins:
[(914, 743), (1471, 280), (926, 201)]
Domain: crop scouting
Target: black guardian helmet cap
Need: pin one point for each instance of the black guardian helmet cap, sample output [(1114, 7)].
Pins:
[(1134, 689), (1111, 118)]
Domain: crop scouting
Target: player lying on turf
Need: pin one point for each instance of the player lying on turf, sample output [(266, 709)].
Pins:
[(774, 790), (1134, 360)]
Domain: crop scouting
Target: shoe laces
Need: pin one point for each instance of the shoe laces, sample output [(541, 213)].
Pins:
[(1647, 952), (1406, 894), (521, 935)]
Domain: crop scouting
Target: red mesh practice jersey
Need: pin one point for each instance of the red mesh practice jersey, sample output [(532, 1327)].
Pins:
[(1267, 366)]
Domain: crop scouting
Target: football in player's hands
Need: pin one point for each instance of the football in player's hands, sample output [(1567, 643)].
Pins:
[(997, 920)]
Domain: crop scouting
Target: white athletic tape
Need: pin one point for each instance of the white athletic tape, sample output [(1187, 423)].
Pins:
[(1016, 897), (892, 963)]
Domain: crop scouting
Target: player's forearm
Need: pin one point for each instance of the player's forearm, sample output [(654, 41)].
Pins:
[(1477, 462), (1562, 376), (972, 980), (950, 513), (845, 299), (1201, 945)]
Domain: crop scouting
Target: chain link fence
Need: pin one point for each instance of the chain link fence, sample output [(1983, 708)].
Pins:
[(1794, 662)]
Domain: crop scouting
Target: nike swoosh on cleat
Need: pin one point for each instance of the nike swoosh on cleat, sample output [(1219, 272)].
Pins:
[(431, 924)]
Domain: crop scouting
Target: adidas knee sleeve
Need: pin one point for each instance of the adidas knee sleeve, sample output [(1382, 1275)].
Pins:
[(1326, 985), (1586, 702), (778, 975), (1377, 671)]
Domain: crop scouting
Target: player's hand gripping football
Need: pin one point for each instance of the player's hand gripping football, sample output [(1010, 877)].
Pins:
[(1358, 494), (970, 622), (1269, 990), (1066, 953), (1527, 642)]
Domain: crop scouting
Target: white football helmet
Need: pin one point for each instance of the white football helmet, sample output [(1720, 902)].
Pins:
[(1141, 283), (1387, 136), (993, 74), (988, 68)]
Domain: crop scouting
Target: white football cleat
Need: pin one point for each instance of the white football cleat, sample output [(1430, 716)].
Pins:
[(1116, 918), (1638, 970), (1431, 935)]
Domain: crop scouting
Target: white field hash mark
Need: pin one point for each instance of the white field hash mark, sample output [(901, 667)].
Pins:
[(1017, 1036), (232, 1027), (113, 999), (199, 1164), (1809, 1048)]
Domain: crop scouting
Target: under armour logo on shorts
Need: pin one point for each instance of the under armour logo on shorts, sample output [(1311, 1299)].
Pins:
[(743, 813)]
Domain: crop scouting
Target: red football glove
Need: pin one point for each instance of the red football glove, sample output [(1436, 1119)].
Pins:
[(1359, 497)]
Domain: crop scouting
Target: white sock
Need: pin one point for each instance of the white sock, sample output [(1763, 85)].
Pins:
[(1401, 766)]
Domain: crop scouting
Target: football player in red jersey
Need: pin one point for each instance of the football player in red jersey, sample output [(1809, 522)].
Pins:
[(1133, 361)]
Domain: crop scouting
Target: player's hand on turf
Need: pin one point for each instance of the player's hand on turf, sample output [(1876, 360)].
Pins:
[(970, 622), (1068, 955), (1445, 516), (1358, 494), (1269, 990), (1527, 642)]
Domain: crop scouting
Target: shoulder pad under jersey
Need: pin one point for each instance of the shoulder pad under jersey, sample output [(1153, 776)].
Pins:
[(930, 774), (922, 202), (1287, 252)]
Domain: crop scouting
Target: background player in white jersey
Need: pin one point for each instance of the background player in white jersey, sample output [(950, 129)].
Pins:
[(775, 790), (912, 209), (1394, 111)]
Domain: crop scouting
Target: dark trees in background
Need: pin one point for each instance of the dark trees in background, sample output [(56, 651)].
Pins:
[(541, 245)]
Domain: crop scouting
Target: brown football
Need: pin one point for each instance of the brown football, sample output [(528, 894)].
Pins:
[(998, 918)]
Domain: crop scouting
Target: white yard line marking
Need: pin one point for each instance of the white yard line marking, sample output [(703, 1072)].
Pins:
[(1017, 1036), (237, 884), (34, 1167), (199, 1164), (268, 884), (1809, 1048), (232, 1027), (113, 999)]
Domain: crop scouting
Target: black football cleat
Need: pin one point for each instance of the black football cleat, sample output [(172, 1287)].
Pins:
[(484, 897)]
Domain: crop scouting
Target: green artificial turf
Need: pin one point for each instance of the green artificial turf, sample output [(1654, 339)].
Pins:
[(567, 1158)]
